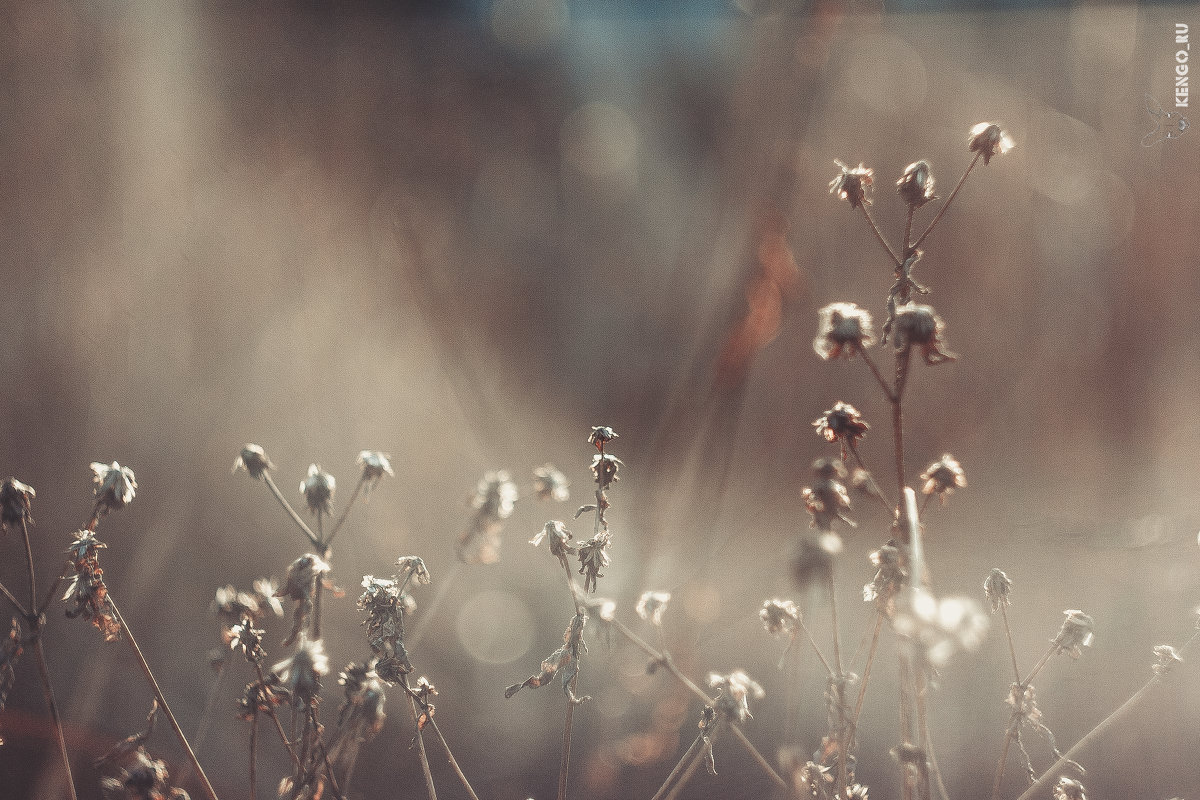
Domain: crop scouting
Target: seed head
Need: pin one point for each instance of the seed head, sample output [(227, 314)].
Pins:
[(374, 466), (779, 616), (1075, 634), (601, 435), (943, 476), (844, 329), (559, 539), (115, 486), (852, 184), (15, 500), (734, 692), (916, 184), (988, 140), (651, 606), (253, 460), (827, 498), (414, 566), (593, 557), (550, 484), (1166, 658), (318, 489), (919, 325), (495, 495), (996, 588), (605, 468), (1069, 789), (841, 423), (301, 674)]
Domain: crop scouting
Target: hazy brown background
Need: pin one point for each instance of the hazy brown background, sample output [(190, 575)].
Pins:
[(464, 239)]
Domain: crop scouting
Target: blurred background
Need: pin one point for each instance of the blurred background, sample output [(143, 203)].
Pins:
[(465, 234)]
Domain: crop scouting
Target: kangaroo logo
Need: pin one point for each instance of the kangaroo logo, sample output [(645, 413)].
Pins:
[(1167, 124)]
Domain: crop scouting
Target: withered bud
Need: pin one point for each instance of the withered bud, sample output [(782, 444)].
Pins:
[(916, 184)]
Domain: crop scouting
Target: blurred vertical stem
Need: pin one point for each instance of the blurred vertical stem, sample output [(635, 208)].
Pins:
[(162, 700), (254, 757)]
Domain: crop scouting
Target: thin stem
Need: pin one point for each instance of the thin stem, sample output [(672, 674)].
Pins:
[(1012, 649), (162, 700), (571, 585), (24, 612), (316, 615), (412, 705), (307, 531), (29, 563), (883, 384), (663, 659), (1014, 724), (453, 762), (879, 236), (210, 705), (898, 423), (316, 729), (565, 762), (759, 758), (692, 767), (923, 734), (839, 686), (283, 737), (49, 598), (345, 512), (877, 490), (908, 232), (941, 211), (48, 692), (1038, 667), (680, 766), (1097, 732), (254, 757), (816, 648), (862, 690)]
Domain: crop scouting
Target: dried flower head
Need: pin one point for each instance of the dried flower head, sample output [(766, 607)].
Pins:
[(265, 590), (841, 423), (361, 716), (852, 184), (916, 184), (1075, 634), (996, 588), (558, 538), (734, 692), (142, 777), (919, 325), (86, 590), (15, 502), (301, 586), (779, 616), (943, 476), (651, 606), (1166, 658), (890, 577), (563, 662), (374, 466), (253, 459), (593, 557), (233, 606), (1069, 789), (605, 468), (115, 486), (942, 627), (247, 638), (494, 500), (413, 568), (604, 609), (827, 499), (601, 435), (385, 606), (301, 673), (318, 489), (843, 330), (988, 140), (549, 483), (261, 697)]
